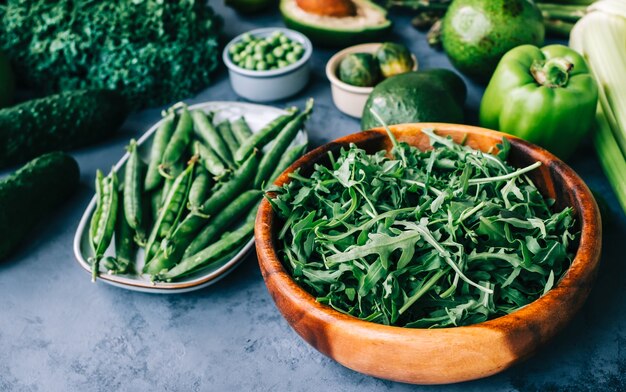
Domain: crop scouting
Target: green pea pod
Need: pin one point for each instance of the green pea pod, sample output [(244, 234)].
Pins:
[(267, 133), (178, 168), (178, 143), (184, 233), (159, 143), (171, 210), (241, 130), (287, 159), (210, 160), (109, 263), (124, 242), (156, 199), (207, 132), (105, 215), (225, 218), (227, 134), (133, 188), (228, 243), (95, 219), (271, 158), (200, 189)]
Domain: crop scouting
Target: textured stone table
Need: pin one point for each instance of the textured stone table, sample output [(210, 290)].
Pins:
[(60, 332)]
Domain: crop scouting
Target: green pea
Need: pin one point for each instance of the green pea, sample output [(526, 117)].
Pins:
[(259, 49), (278, 52), (246, 37), (282, 63), (286, 47), (270, 59), (250, 63), (291, 57), (258, 56), (273, 67), (283, 39), (277, 33), (261, 66), (236, 58), (298, 49)]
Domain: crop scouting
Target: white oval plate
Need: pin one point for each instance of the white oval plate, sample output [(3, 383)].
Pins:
[(257, 116)]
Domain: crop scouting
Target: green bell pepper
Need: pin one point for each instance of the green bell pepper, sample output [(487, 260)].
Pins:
[(546, 96)]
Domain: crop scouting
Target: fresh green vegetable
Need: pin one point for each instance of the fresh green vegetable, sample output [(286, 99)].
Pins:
[(287, 159), (241, 130), (394, 59), (209, 159), (64, 121), (207, 132), (103, 220), (225, 218), (359, 69), (446, 237), (173, 247), (224, 130), (266, 134), (156, 198), (133, 175), (281, 143), (159, 144), (599, 37), (124, 241), (178, 143), (171, 211), (30, 193), (477, 33), (153, 52), (200, 188), (228, 243), (262, 54), (197, 202), (409, 97), (546, 96)]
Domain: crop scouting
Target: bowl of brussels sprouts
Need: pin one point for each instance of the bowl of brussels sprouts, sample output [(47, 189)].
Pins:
[(354, 71), (268, 64)]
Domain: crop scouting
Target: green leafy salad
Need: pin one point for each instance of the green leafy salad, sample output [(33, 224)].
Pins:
[(440, 238)]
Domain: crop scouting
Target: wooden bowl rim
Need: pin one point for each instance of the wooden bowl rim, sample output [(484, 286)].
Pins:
[(585, 260)]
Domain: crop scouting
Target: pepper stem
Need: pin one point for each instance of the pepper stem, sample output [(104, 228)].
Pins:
[(552, 73)]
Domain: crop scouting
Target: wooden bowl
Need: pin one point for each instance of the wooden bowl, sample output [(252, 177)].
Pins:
[(436, 356)]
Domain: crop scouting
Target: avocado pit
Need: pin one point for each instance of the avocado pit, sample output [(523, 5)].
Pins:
[(334, 8)]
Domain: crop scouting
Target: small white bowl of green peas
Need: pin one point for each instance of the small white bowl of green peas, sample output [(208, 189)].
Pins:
[(268, 64)]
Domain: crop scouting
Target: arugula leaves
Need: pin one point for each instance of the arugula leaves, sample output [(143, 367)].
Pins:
[(446, 237)]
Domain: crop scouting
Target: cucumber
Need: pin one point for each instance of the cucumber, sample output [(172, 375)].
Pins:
[(31, 192), (62, 121)]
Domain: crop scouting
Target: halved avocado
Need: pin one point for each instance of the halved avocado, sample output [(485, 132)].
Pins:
[(368, 24)]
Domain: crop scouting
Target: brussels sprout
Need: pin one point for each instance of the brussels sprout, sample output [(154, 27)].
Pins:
[(359, 69), (394, 59)]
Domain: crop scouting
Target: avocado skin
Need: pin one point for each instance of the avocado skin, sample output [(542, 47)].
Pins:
[(329, 37), (33, 192), (435, 95), (63, 121), (477, 33)]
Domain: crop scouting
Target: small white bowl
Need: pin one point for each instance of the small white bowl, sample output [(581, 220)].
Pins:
[(348, 98), (271, 85)]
